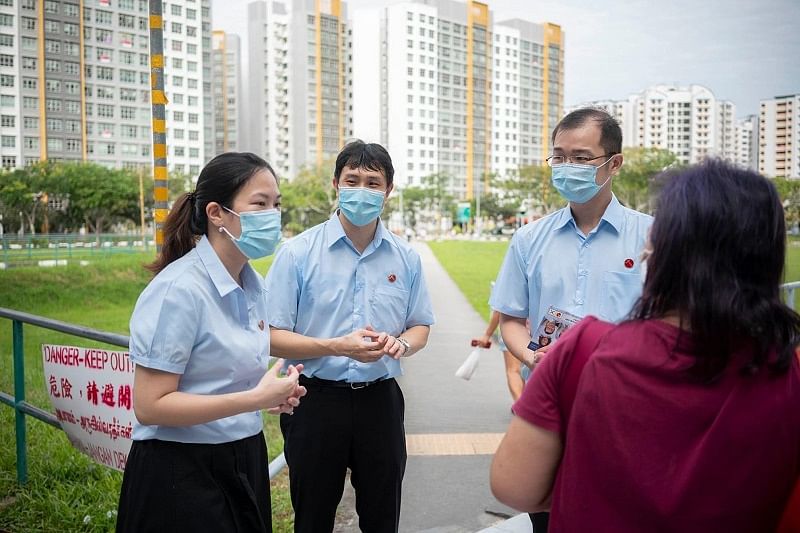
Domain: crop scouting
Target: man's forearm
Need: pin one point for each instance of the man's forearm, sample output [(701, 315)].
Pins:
[(515, 335), (285, 343), (417, 337)]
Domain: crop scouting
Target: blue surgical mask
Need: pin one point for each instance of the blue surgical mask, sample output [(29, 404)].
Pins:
[(261, 232), (577, 183), (361, 205)]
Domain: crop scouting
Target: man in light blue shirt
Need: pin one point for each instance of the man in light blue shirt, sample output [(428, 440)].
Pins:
[(348, 299), (583, 259)]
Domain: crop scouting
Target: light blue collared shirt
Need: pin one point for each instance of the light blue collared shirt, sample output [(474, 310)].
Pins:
[(551, 263), (320, 286), (193, 319)]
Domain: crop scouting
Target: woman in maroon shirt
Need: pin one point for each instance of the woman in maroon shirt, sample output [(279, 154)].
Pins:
[(687, 416)]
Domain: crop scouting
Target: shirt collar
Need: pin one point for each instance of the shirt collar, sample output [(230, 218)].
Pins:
[(613, 215), (335, 231), (219, 275)]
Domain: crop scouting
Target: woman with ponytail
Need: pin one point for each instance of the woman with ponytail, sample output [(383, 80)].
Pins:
[(200, 342)]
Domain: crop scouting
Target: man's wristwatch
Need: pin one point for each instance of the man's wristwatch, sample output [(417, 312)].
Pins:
[(405, 343)]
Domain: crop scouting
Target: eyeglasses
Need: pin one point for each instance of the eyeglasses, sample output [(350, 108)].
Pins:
[(554, 160)]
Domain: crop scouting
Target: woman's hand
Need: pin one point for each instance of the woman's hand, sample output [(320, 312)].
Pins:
[(276, 393)]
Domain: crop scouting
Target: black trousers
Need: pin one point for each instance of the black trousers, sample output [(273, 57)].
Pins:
[(337, 428), (539, 522), (175, 486)]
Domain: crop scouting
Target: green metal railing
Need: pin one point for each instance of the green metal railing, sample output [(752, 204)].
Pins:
[(17, 401), (58, 247), (22, 408)]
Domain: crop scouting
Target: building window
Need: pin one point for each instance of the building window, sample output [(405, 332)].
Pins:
[(127, 21), (103, 17), (105, 110)]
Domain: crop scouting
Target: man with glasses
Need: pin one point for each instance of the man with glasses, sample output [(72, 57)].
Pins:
[(582, 259)]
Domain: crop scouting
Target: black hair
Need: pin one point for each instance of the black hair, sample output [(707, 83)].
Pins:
[(718, 251), (219, 181), (369, 156), (610, 132)]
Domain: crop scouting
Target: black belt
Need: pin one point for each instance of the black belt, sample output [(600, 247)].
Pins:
[(305, 380)]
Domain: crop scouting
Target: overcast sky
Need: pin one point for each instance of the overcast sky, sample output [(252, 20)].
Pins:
[(743, 50)]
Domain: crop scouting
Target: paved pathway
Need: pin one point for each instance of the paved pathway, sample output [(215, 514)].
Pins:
[(453, 426)]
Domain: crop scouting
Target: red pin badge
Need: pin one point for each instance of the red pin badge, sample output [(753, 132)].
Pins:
[(392, 278), (261, 325), (629, 263)]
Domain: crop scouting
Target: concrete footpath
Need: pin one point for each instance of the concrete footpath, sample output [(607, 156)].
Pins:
[(453, 426)]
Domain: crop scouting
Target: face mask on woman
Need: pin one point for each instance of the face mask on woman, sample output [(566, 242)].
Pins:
[(261, 232), (361, 205)]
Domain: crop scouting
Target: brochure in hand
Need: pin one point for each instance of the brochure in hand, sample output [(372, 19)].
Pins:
[(553, 324)]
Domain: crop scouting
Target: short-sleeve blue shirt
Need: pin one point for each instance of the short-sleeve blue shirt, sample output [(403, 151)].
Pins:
[(551, 263), (193, 319), (320, 286)]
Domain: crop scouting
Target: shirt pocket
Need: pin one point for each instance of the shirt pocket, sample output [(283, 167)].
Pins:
[(619, 292), (388, 309)]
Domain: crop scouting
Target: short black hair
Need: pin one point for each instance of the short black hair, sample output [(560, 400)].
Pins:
[(370, 156), (610, 132)]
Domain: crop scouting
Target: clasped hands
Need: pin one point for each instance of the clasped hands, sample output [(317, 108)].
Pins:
[(367, 345)]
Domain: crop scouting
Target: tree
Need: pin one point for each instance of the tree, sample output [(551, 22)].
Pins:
[(633, 183), (24, 193), (309, 198), (789, 191), (99, 196), (425, 203), (178, 183), (529, 187)]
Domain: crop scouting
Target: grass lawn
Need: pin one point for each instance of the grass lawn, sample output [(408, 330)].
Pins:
[(65, 487), (473, 265)]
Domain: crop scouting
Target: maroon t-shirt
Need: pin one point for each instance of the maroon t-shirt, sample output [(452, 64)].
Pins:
[(650, 448)]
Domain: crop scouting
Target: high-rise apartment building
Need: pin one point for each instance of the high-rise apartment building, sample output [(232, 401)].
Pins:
[(528, 92), (187, 82), (778, 139), (300, 84), (76, 81), (450, 91), (747, 142), (688, 121), (227, 92)]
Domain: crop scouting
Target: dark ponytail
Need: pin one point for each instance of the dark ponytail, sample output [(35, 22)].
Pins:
[(218, 182)]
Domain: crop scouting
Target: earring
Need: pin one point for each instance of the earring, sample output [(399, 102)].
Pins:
[(221, 229)]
